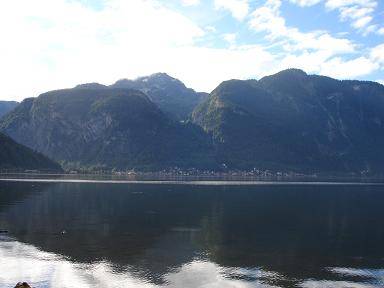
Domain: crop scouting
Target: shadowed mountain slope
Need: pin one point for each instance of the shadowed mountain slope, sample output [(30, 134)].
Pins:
[(296, 121), (16, 156), (109, 128)]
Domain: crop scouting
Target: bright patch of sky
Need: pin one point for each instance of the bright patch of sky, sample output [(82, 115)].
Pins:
[(51, 44)]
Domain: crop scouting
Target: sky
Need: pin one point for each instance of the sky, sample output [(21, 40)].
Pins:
[(54, 44)]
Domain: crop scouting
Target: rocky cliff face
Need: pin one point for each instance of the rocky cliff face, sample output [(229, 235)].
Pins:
[(111, 128), (296, 121)]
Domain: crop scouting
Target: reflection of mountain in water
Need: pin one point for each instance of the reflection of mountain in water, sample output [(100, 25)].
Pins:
[(132, 226), (43, 270), (14, 193), (300, 232), (296, 232)]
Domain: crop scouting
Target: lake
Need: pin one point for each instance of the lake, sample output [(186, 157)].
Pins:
[(182, 235)]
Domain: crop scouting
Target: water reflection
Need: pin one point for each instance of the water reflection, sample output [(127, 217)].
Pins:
[(191, 236), (43, 269)]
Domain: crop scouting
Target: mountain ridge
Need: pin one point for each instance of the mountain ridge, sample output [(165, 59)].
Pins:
[(105, 128), (288, 121), (296, 121)]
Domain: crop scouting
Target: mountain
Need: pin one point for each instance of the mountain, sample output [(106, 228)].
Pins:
[(294, 121), (94, 126), (290, 121), (168, 93), (6, 106), (16, 156), (93, 85)]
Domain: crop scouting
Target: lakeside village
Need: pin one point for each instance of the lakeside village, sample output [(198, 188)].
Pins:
[(179, 173)]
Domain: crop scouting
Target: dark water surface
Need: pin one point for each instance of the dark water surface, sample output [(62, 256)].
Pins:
[(164, 235)]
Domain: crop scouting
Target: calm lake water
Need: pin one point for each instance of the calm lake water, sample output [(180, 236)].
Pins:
[(164, 235)]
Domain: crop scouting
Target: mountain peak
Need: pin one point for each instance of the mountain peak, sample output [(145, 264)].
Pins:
[(287, 75), (92, 85), (122, 83), (159, 77), (295, 71), (292, 71), (170, 94)]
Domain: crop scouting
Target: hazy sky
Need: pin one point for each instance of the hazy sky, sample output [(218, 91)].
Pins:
[(51, 44)]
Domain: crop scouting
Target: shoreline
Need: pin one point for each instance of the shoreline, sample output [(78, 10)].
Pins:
[(213, 182)]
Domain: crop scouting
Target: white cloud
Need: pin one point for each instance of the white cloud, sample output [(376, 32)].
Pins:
[(381, 81), (56, 44), (52, 44), (355, 12), (334, 4), (48, 44), (339, 68), (377, 54), (304, 3), (230, 38), (320, 63), (238, 8), (268, 19), (370, 29), (314, 51), (381, 31), (310, 62), (210, 66), (190, 2), (362, 22), (359, 12), (211, 28)]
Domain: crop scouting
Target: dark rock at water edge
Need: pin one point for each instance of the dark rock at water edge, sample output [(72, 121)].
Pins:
[(22, 285)]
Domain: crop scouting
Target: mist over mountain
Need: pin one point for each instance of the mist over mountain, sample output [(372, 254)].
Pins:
[(6, 106), (168, 93), (298, 122)]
